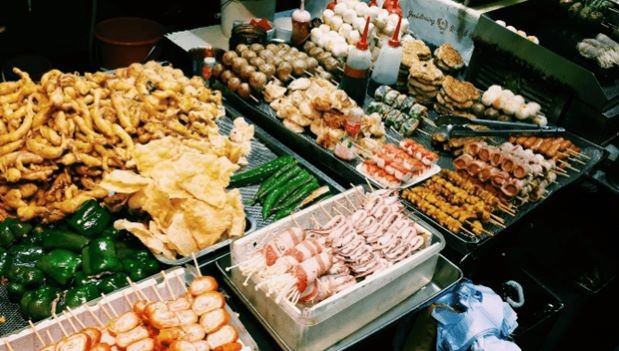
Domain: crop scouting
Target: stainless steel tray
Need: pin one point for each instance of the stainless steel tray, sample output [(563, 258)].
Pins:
[(445, 277), (264, 148)]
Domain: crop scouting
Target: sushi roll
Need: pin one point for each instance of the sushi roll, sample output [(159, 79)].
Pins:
[(408, 102), (418, 110), (380, 92), (408, 127), (390, 117), (399, 101), (377, 107), (390, 97)]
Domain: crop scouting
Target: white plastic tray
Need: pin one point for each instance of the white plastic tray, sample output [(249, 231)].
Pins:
[(434, 169)]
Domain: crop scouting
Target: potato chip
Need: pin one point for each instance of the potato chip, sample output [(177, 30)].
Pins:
[(238, 213), (159, 205), (207, 222), (124, 182), (145, 236), (202, 187), (180, 236)]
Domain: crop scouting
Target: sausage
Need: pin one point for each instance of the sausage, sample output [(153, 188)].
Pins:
[(124, 323), (75, 342), (193, 332), (107, 337), (233, 346), (152, 307), (139, 306), (179, 304), (169, 335), (101, 347), (94, 334), (182, 345), (213, 320), (164, 319), (125, 339), (207, 302), (202, 284), (147, 344), (186, 317), (201, 345), (225, 335)]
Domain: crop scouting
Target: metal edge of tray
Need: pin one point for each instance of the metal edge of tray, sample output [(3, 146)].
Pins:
[(261, 114), (446, 275), (261, 136)]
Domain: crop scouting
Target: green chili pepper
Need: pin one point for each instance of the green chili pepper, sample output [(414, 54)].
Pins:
[(277, 193), (7, 238), (100, 256), (269, 184), (285, 178), (5, 263), (26, 255), (258, 174), (61, 239), (60, 265), (40, 305), (113, 282), (90, 219), (15, 291), (293, 200), (289, 188), (77, 296)]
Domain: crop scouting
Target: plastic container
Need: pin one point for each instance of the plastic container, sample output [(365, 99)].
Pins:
[(320, 326), (125, 40), (387, 66), (283, 28)]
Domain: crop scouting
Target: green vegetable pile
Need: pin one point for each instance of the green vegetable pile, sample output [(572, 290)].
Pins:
[(284, 186), (69, 263)]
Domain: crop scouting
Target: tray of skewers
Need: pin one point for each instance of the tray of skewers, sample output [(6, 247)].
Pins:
[(175, 310), (493, 182), (319, 275)]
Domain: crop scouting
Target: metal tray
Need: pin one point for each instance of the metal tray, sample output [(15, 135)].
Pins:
[(264, 149), (323, 324), (26, 339), (465, 244), (445, 277)]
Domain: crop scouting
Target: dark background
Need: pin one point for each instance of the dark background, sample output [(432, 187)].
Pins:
[(60, 30)]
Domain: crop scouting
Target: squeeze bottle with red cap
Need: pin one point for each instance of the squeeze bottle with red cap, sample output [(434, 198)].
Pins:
[(387, 65), (300, 25), (357, 69)]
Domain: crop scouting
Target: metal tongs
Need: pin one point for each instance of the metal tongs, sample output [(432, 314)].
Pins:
[(456, 127)]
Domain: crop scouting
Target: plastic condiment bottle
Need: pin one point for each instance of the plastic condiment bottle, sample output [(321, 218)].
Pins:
[(352, 123), (393, 6), (387, 65), (300, 25), (207, 69), (331, 5), (356, 71)]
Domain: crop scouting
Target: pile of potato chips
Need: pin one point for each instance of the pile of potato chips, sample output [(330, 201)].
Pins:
[(181, 184)]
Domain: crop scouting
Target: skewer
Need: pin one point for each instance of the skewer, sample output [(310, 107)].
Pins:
[(109, 305), (369, 184), (350, 202), (167, 284), (8, 346), (181, 282), (338, 211), (423, 132), (254, 98), (159, 297), (49, 336), (567, 165), (562, 174), (137, 291), (64, 331), (195, 263), (498, 224), (75, 317), (324, 211), (429, 121), (36, 333), (343, 207), (497, 218), (578, 154), (294, 220), (318, 225), (127, 299), (95, 317), (107, 314), (575, 159), (470, 233), (75, 330)]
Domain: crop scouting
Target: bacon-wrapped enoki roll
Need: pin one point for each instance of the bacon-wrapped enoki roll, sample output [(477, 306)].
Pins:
[(462, 161), (282, 243)]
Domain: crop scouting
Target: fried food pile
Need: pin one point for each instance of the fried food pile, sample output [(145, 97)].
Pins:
[(181, 185), (58, 138)]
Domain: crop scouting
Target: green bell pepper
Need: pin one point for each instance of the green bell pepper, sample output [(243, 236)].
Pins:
[(30, 277), (137, 269), (7, 238), (100, 256), (19, 229), (26, 255), (77, 296), (39, 306), (113, 282), (60, 265), (25, 300), (112, 233), (5, 263), (82, 279), (15, 291), (90, 219), (62, 239)]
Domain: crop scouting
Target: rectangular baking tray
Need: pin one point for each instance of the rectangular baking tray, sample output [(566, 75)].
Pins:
[(320, 326), (26, 339), (264, 148), (445, 277)]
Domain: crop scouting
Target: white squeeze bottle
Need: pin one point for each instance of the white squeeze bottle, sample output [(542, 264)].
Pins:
[(387, 65)]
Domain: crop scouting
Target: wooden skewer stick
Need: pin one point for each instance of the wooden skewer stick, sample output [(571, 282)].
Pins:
[(318, 225), (562, 174), (75, 330), (36, 333), (324, 211), (49, 336), (137, 291), (498, 224), (369, 184), (159, 297), (8, 346), (254, 98), (75, 317), (343, 207), (497, 218), (423, 132), (350, 202), (167, 284), (109, 305), (195, 263), (294, 220), (95, 317), (468, 232), (567, 165), (127, 299), (576, 159), (64, 331), (106, 312), (487, 232), (335, 209), (181, 282)]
